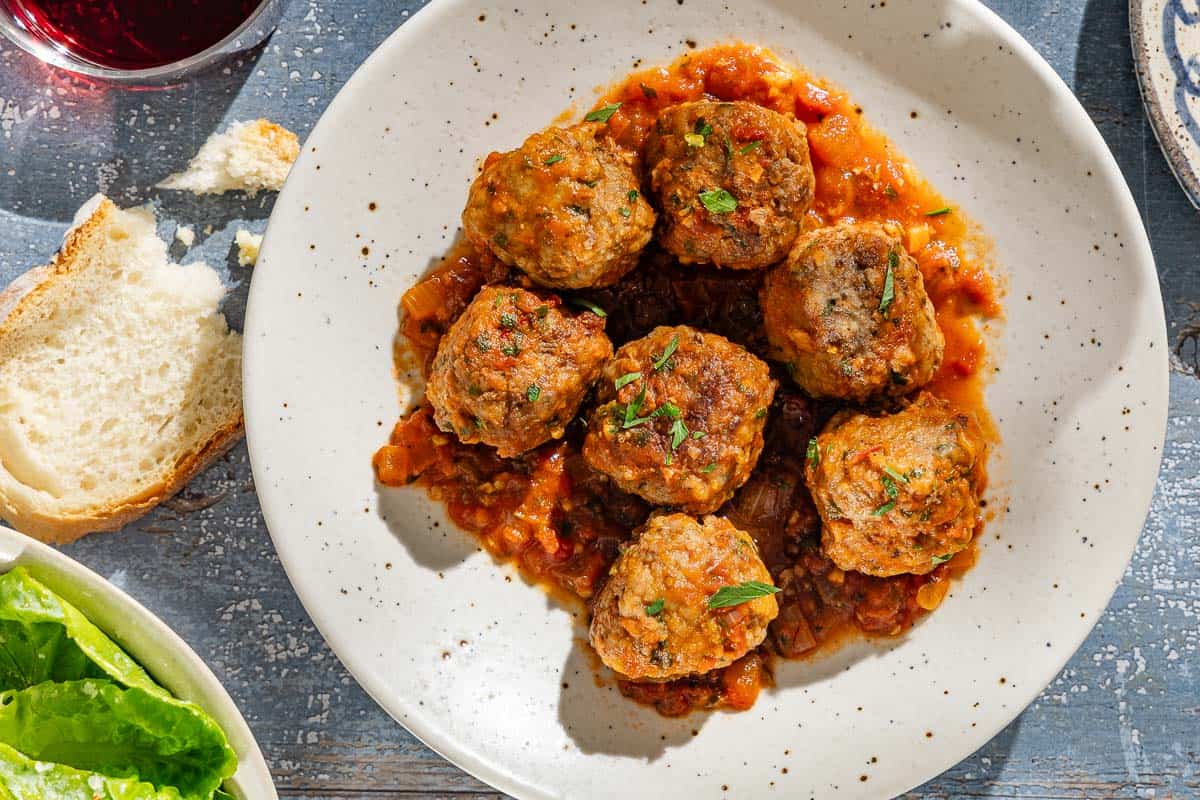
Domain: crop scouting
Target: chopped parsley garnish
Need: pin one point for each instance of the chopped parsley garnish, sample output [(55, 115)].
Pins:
[(699, 434), (728, 596), (588, 306), (632, 409), (602, 114), (749, 147), (709, 468), (718, 201), (702, 127), (554, 159), (533, 392), (896, 474), (482, 343), (655, 608), (889, 283), (624, 212), (936, 560), (891, 192), (679, 432), (892, 491), (762, 412), (508, 320), (511, 349), (625, 380), (693, 139), (937, 212), (633, 195), (672, 346), (474, 390), (814, 452), (669, 410)]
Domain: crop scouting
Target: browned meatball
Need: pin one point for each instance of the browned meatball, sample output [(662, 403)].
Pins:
[(898, 493), (513, 369), (733, 181), (681, 418), (654, 619), (564, 207), (848, 314)]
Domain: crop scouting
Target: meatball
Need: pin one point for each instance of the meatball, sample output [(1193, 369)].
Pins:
[(653, 620), (848, 314), (564, 207), (733, 182), (897, 493), (513, 369), (681, 418)]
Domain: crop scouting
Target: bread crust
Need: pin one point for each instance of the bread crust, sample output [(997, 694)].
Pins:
[(23, 297)]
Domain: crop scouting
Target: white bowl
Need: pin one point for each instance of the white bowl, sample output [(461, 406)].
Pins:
[(485, 669), (152, 644)]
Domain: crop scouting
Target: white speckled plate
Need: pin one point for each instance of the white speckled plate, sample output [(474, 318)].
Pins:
[(156, 647), (1166, 55), (484, 668)]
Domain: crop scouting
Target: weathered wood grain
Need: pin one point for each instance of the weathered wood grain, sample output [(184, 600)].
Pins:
[(1121, 721)]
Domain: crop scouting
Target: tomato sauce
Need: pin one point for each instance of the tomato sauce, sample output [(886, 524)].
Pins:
[(562, 524)]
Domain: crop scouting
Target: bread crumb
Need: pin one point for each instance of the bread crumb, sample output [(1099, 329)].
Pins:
[(247, 244), (248, 157), (185, 235)]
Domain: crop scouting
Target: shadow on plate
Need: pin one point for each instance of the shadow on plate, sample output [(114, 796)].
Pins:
[(433, 543)]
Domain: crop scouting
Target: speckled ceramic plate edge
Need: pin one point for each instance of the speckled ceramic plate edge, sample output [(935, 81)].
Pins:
[(148, 639), (1160, 66), (1154, 421)]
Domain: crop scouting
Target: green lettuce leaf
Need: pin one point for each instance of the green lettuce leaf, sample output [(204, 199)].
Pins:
[(99, 726), (23, 778), (45, 638)]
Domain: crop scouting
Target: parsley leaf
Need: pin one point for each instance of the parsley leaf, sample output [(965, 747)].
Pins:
[(728, 596), (602, 114), (702, 127), (679, 432), (625, 380), (936, 560), (746, 148), (672, 346), (709, 468), (814, 452), (533, 392), (889, 283), (655, 608), (508, 320), (718, 201), (896, 474), (554, 159), (633, 195), (632, 409), (587, 305)]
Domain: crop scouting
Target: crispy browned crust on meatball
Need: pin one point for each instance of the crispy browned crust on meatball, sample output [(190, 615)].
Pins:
[(685, 430), (651, 621), (898, 493), (564, 207), (513, 369), (757, 155), (829, 317)]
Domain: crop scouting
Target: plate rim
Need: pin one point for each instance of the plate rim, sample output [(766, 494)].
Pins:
[(1183, 170), (444, 744)]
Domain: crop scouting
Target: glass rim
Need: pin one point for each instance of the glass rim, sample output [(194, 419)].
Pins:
[(55, 55)]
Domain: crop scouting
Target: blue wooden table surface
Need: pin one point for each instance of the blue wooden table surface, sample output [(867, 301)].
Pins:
[(1122, 720)]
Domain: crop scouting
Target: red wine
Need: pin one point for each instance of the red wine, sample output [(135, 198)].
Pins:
[(131, 34)]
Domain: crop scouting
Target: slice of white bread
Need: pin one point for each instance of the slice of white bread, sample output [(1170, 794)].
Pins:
[(248, 157), (119, 378)]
